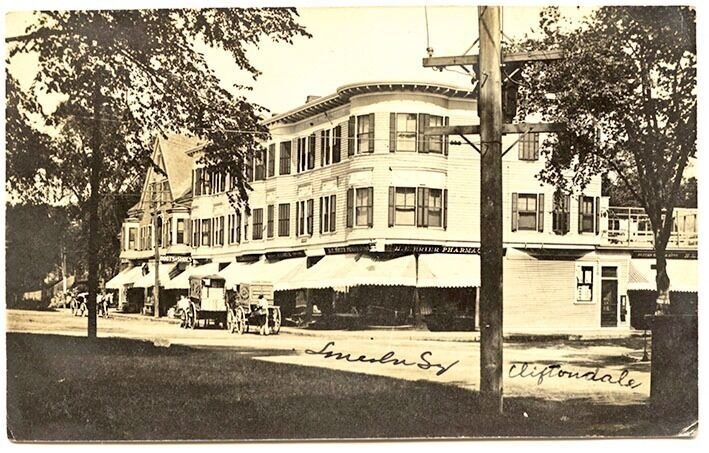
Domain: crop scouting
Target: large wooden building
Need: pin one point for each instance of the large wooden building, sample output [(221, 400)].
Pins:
[(352, 208)]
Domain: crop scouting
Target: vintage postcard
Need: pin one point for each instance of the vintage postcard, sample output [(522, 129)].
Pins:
[(348, 223)]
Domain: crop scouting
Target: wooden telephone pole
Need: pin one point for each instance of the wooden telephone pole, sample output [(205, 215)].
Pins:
[(491, 129), (156, 239)]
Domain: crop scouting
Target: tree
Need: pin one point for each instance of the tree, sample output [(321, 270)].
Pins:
[(626, 88), (125, 76)]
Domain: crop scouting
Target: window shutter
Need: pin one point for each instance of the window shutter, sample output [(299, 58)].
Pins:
[(351, 136), (392, 134), (370, 206), (350, 207), (419, 207), (580, 213), (427, 205), (322, 148), (535, 145), (311, 151), (371, 133), (297, 219), (445, 209), (310, 217), (392, 201), (188, 231), (198, 182), (566, 226), (514, 211), (444, 138), (320, 216), (336, 144), (333, 199), (540, 212), (598, 215), (422, 143)]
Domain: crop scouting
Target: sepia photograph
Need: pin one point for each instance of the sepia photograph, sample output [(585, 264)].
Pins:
[(301, 222)]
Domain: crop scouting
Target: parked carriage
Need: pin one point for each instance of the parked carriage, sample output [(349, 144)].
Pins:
[(206, 303), (252, 305)]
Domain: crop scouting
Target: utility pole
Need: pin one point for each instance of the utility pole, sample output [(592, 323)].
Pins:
[(156, 287), (490, 113), (491, 128)]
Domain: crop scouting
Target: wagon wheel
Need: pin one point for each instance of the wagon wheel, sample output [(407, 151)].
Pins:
[(230, 320), (240, 320), (276, 320), (183, 318), (84, 310), (190, 317)]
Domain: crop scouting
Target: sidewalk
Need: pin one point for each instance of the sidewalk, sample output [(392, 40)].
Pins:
[(405, 334)]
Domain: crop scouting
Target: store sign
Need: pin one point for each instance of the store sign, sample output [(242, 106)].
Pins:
[(175, 259), (358, 248), (248, 258), (415, 248), (285, 254), (669, 254)]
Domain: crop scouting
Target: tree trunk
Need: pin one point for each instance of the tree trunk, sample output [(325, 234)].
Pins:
[(94, 182), (662, 280)]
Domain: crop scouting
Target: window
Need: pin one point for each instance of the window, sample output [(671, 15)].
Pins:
[(272, 160), (284, 219), (327, 214), (311, 151), (404, 205), (234, 221), (260, 166), (169, 231), (406, 132), (584, 283), (302, 158), (365, 133), (269, 221), (432, 207), (325, 148), (359, 206), (284, 167), (304, 216), (246, 227), (586, 214), (434, 143), (529, 146), (561, 214), (196, 233), (258, 224), (131, 238), (220, 236), (180, 236), (206, 232), (527, 212), (197, 182)]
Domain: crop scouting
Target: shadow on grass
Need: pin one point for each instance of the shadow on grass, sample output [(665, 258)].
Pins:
[(68, 388)]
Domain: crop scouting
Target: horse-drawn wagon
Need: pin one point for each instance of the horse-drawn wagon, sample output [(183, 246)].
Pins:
[(206, 303), (253, 305)]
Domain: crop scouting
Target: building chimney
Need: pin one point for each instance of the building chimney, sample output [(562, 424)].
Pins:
[(311, 98)]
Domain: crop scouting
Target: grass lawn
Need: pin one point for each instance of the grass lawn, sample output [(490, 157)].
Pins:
[(69, 388)]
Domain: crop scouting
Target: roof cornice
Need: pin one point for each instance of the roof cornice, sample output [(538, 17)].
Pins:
[(346, 92)]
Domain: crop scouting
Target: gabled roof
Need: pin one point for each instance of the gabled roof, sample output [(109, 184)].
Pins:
[(178, 164)]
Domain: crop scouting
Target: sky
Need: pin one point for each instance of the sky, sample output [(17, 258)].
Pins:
[(349, 45)]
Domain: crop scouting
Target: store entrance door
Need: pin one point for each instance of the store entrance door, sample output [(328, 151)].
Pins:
[(609, 297)]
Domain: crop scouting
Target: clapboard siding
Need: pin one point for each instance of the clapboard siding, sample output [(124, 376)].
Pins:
[(459, 173), (541, 294)]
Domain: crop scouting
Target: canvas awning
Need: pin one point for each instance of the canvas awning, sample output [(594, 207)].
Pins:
[(148, 280), (182, 281), (125, 277), (335, 271), (275, 272), (683, 275), (443, 270)]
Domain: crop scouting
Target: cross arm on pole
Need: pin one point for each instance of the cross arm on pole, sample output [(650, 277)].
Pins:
[(508, 128), (510, 57)]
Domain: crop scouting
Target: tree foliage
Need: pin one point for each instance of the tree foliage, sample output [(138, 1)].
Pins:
[(626, 88), (125, 76)]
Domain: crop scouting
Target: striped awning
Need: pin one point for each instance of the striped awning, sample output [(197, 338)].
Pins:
[(182, 280), (442, 270), (336, 271), (683, 275), (148, 280), (124, 278), (277, 273)]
